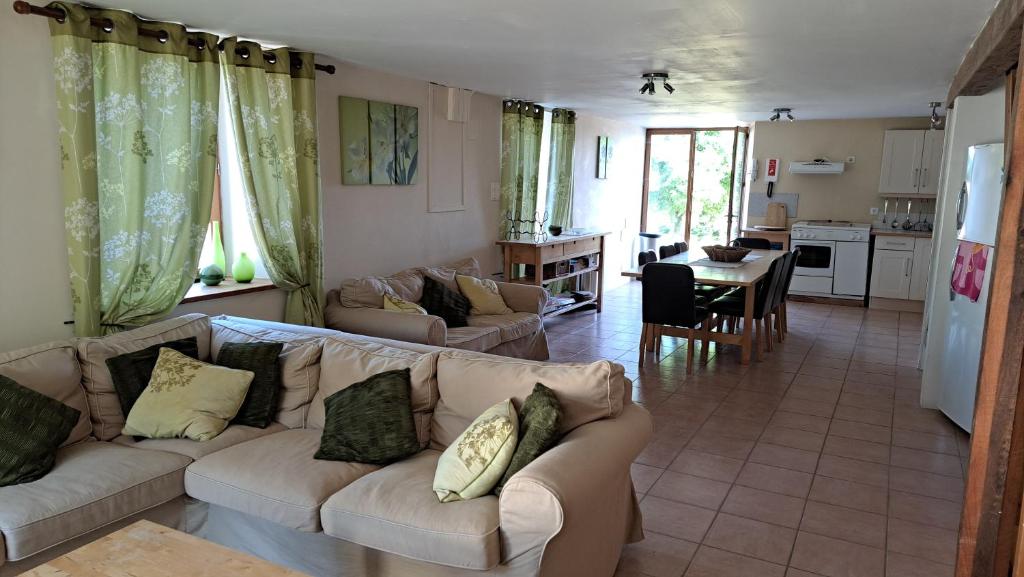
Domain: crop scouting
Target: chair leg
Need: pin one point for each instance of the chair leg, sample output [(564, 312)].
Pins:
[(657, 343), (759, 338), (705, 340), (689, 352), (779, 331), (785, 317), (643, 343), (769, 340)]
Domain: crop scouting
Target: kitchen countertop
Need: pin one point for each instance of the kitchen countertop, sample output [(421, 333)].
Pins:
[(901, 232)]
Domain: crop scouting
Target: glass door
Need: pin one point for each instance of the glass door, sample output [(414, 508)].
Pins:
[(667, 185)]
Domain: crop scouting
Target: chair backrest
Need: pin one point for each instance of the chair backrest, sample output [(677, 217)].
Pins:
[(754, 243), (668, 297), (788, 279), (779, 292), (646, 257), (667, 251), (681, 246), (768, 287)]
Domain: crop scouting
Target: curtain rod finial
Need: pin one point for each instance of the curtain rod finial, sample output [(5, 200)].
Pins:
[(22, 7)]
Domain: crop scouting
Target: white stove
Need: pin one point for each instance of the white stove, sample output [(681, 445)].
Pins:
[(833, 258)]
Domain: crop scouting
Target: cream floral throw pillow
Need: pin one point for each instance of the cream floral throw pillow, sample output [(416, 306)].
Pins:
[(475, 462), (398, 305), (187, 398), (483, 295)]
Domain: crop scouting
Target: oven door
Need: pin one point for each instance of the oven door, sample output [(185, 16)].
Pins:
[(817, 257)]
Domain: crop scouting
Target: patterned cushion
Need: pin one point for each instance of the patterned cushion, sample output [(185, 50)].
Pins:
[(371, 421), (131, 371), (472, 465), (400, 305), (32, 426), (444, 302), (539, 420), (262, 359)]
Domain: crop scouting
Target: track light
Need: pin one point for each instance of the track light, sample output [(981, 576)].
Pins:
[(668, 87), (937, 121), (649, 78), (778, 113)]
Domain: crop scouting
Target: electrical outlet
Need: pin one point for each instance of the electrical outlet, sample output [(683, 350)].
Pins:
[(851, 159), (495, 191), (874, 211)]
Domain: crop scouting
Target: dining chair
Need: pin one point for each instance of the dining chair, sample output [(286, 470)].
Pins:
[(681, 246), (733, 304), (781, 321), (754, 243), (646, 257), (670, 308)]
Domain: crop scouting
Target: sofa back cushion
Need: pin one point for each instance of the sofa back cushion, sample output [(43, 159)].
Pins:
[(368, 292), (53, 370), (350, 361), (104, 406), (470, 383), (299, 362)]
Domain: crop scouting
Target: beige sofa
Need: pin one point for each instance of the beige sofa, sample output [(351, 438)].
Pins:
[(357, 307), (261, 491)]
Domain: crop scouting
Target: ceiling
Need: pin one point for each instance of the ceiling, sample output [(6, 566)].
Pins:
[(730, 60)]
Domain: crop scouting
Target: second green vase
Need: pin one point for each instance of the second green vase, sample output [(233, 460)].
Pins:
[(243, 269)]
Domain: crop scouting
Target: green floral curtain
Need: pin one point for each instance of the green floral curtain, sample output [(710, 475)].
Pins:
[(138, 144), (522, 124), (272, 103), (559, 193)]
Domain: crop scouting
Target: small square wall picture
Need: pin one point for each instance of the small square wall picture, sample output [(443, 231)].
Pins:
[(379, 142), (602, 157)]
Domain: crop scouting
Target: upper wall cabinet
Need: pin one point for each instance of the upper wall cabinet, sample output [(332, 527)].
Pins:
[(910, 162)]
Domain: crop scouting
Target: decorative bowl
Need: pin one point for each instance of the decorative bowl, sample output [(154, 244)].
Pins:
[(721, 253), (555, 230)]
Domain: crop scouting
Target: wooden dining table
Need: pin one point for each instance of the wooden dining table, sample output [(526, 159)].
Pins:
[(747, 275)]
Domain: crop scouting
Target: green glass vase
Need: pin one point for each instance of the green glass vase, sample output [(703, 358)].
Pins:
[(218, 247), (243, 268)]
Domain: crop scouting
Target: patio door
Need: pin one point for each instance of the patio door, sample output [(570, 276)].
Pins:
[(693, 184)]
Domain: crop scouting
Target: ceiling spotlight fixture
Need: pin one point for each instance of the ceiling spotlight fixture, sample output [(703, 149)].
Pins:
[(937, 121), (778, 113), (650, 77)]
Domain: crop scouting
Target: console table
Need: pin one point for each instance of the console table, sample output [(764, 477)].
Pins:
[(568, 256)]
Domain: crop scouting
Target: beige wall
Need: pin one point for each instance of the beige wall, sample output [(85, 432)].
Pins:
[(383, 229), (611, 204), (847, 196)]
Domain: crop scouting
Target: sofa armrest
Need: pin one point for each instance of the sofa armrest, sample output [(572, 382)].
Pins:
[(575, 504), (423, 329), (524, 298)]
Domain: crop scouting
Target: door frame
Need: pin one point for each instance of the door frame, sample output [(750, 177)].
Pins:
[(689, 178)]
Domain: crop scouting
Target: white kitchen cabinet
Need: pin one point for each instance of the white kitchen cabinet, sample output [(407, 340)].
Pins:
[(920, 268), (910, 162), (890, 274)]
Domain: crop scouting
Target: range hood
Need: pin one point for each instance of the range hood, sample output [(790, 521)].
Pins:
[(816, 167)]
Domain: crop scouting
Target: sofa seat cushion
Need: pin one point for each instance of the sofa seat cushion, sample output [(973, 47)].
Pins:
[(274, 478), (91, 485), (195, 450), (395, 510), (474, 338), (510, 326)]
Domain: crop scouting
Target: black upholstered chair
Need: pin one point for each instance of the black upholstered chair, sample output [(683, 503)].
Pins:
[(733, 304), (670, 308), (781, 323), (646, 257), (754, 243), (681, 246), (667, 251)]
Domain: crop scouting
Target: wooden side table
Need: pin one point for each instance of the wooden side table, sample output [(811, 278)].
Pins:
[(779, 236)]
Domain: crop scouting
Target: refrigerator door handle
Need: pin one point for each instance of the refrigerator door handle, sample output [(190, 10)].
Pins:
[(961, 206)]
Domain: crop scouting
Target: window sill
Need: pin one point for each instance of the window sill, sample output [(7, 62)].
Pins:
[(227, 288)]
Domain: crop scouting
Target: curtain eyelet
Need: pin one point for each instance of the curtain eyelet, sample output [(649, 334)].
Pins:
[(272, 59), (164, 36), (108, 26)]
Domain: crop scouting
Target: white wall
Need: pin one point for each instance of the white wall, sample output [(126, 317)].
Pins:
[(382, 229), (611, 204)]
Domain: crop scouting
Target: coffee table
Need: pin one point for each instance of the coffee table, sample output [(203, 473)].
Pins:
[(145, 548)]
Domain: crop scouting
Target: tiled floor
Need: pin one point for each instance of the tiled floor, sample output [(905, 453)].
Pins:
[(816, 461)]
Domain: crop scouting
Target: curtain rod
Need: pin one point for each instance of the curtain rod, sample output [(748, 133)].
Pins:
[(22, 7)]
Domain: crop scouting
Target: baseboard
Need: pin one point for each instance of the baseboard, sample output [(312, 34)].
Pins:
[(900, 305), (826, 301)]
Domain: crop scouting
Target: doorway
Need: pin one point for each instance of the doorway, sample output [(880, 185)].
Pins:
[(693, 184)]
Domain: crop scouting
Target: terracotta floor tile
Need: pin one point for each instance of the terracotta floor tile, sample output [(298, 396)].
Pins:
[(927, 484), (856, 449), (859, 367), (923, 541), (836, 558), (711, 562), (873, 402), (659, 453), (924, 510), (644, 476), (764, 506), (774, 479), (752, 538), (924, 441), (861, 431), (657, 556), (849, 494), (809, 393), (736, 428), (800, 421), (784, 457), (684, 488), (827, 362), (937, 463), (795, 438), (835, 373), (860, 415), (805, 407), (854, 470), (707, 465), (818, 382), (724, 446), (899, 565), (674, 519), (843, 523)]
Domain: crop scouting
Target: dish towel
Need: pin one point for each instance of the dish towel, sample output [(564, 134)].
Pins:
[(969, 269)]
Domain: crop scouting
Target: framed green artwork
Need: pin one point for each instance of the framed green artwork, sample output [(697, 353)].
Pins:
[(603, 151), (379, 142)]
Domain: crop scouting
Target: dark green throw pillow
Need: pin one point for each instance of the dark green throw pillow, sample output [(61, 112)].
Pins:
[(260, 402), (370, 421), (443, 302), (131, 371), (538, 430), (32, 426)]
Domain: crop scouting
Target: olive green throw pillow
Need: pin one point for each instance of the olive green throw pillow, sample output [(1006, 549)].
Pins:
[(130, 372), (260, 403), (539, 421), (474, 463), (187, 398), (370, 421), (32, 426)]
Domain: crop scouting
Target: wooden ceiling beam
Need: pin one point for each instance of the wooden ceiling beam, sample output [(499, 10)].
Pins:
[(993, 53)]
